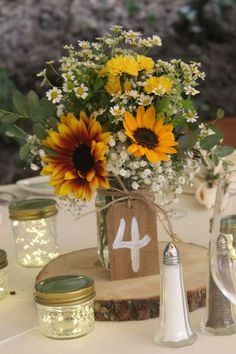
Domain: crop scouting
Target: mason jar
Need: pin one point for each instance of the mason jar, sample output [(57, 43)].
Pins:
[(34, 230), (3, 275), (65, 306)]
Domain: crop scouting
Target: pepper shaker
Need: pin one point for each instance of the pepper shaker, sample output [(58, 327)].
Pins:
[(175, 329)]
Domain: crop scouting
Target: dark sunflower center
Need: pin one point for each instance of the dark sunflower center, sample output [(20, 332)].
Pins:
[(146, 138), (82, 159)]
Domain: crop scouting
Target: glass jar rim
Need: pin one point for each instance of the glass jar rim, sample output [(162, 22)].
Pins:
[(64, 289)]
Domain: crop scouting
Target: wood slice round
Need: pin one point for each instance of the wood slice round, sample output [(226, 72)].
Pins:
[(137, 298)]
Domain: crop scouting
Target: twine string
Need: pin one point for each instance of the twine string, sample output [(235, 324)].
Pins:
[(124, 194)]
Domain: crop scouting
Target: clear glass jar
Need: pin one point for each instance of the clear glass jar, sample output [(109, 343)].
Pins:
[(34, 229), (65, 306), (3, 275)]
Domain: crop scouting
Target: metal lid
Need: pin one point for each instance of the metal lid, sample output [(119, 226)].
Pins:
[(3, 259), (64, 289), (171, 254), (228, 224), (32, 209)]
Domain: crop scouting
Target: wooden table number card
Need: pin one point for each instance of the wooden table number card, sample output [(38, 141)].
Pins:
[(132, 240)]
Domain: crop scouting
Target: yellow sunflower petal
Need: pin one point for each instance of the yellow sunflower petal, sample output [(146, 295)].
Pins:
[(140, 113), (130, 121), (70, 175), (149, 118), (90, 175), (166, 149), (159, 125), (151, 156)]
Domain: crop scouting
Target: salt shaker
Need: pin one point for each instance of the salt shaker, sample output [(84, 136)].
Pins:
[(175, 329), (219, 317)]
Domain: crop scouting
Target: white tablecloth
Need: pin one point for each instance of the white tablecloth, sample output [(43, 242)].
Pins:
[(19, 330)]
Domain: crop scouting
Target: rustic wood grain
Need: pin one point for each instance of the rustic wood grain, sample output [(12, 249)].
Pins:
[(137, 298)]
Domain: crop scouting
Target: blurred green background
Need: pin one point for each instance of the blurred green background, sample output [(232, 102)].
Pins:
[(34, 31)]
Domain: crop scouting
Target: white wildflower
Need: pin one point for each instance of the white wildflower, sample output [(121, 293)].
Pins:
[(81, 91), (156, 40), (68, 76), (84, 44), (145, 100), (54, 95), (178, 190), (117, 111), (190, 91), (143, 163), (42, 73)]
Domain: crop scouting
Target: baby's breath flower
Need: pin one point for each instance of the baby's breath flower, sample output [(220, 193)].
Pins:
[(135, 185), (54, 95)]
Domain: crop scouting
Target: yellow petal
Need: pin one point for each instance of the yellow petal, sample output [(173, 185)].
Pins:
[(140, 113), (130, 121), (70, 175), (151, 156), (149, 118), (166, 149), (90, 175), (158, 125)]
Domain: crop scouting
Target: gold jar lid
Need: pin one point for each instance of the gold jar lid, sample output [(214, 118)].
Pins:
[(32, 209), (228, 224), (64, 290), (3, 259)]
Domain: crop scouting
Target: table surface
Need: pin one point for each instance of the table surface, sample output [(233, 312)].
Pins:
[(19, 329)]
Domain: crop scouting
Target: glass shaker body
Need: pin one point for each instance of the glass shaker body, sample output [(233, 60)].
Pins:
[(175, 329), (34, 230)]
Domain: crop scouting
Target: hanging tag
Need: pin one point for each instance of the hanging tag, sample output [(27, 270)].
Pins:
[(132, 240)]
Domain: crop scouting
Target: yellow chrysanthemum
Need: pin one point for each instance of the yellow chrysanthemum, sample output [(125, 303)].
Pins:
[(127, 85), (150, 137), (122, 64), (113, 85), (158, 85), (79, 164), (145, 63)]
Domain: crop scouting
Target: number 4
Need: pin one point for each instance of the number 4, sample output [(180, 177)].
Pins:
[(134, 245)]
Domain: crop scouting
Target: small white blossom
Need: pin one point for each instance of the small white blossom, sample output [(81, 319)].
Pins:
[(156, 40), (117, 111), (81, 91), (42, 73), (60, 110), (42, 153), (68, 76), (143, 163), (34, 167), (189, 90), (84, 44), (178, 190), (112, 141), (135, 185), (54, 95), (121, 136), (122, 172)]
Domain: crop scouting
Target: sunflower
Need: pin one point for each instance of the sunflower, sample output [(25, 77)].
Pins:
[(78, 164), (150, 137)]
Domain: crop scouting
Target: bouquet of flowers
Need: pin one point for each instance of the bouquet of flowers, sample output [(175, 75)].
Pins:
[(116, 111)]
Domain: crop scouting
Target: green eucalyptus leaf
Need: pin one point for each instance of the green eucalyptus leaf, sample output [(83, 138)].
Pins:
[(187, 141), (49, 151), (24, 150), (12, 131), (224, 150), (47, 108), (39, 131), (34, 107), (220, 113), (53, 122), (20, 103), (210, 141), (10, 118)]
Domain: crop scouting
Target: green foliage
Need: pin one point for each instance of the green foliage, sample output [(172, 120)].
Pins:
[(132, 7), (40, 112)]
